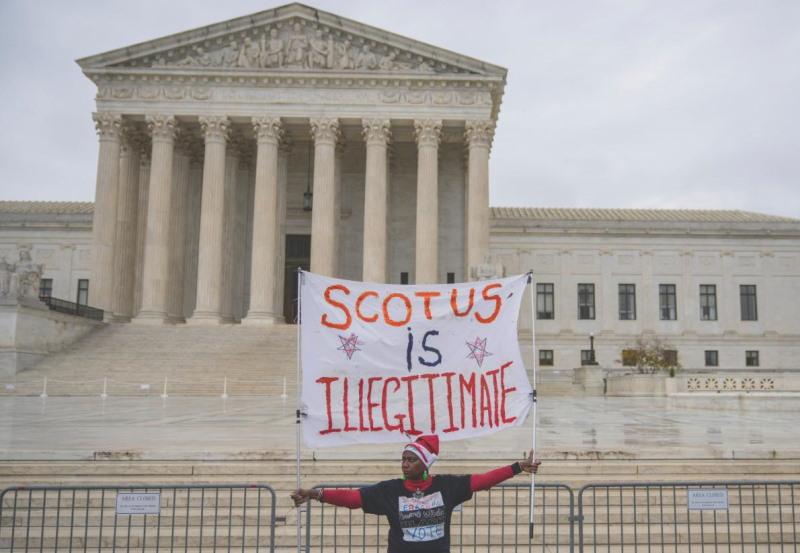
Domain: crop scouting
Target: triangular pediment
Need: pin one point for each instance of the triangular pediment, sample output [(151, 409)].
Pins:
[(292, 38)]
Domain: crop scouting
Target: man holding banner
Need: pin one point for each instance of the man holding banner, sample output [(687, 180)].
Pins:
[(388, 363)]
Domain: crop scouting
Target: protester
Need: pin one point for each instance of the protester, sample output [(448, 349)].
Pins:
[(419, 505)]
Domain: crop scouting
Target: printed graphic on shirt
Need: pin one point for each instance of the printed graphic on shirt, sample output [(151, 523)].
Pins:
[(422, 518)]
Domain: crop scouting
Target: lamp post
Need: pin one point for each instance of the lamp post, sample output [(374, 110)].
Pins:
[(592, 359)]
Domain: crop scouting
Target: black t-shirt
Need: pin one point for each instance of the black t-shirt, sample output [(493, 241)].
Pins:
[(419, 522)]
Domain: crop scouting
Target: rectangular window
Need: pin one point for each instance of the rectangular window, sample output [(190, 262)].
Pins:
[(751, 358), (586, 301), (668, 304), (708, 302), (403, 278), (630, 357), (671, 356), (712, 358), (545, 300), (451, 278), (545, 358), (45, 287), (747, 299), (83, 291), (627, 302), (586, 357)]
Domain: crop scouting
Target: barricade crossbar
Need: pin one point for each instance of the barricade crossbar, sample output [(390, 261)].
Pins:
[(140, 517), (494, 520), (730, 516)]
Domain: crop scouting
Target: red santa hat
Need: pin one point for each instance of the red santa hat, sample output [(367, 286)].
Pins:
[(426, 448)]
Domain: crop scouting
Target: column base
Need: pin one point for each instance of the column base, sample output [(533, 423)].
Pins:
[(151, 318), (261, 319), (206, 319), (117, 318)]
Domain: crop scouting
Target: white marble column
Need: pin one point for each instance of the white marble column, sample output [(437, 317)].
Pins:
[(141, 220), (125, 232), (377, 133), (325, 133), (177, 231), (284, 151), (212, 218), (264, 267), (155, 275), (228, 226), (428, 134), (105, 210), (478, 136)]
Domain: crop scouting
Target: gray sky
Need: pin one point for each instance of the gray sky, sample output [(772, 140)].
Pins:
[(609, 103)]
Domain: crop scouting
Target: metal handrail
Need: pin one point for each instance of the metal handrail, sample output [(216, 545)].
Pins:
[(72, 308)]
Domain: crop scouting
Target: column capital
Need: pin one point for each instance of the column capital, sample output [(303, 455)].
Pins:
[(162, 128), (107, 124), (268, 129), (479, 133), (325, 130), (377, 131), (216, 128), (428, 132)]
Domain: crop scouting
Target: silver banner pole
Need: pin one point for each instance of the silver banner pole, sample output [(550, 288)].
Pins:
[(535, 362)]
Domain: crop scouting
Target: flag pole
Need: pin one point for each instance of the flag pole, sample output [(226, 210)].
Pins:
[(299, 389), (534, 363)]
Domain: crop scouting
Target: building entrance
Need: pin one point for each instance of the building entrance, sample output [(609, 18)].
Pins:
[(298, 255)]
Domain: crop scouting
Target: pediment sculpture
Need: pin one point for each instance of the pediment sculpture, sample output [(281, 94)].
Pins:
[(298, 46)]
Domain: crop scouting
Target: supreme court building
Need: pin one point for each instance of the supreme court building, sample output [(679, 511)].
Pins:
[(232, 154)]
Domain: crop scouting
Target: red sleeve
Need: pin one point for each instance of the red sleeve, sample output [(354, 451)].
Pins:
[(350, 498), (485, 481)]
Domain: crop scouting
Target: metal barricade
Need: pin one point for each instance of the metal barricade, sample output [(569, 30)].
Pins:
[(495, 520), (143, 517), (727, 516)]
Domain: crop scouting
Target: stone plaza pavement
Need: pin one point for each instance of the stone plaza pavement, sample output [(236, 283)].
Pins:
[(261, 428)]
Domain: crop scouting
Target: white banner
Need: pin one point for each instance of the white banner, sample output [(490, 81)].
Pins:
[(384, 363)]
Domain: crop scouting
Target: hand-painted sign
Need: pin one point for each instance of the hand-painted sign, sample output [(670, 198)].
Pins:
[(385, 363)]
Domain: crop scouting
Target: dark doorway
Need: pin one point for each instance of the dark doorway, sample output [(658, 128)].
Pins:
[(298, 255)]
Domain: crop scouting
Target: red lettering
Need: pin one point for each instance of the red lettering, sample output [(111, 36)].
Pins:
[(347, 427), (339, 305), (386, 316), (327, 381), (384, 402), (427, 296), (360, 300), (454, 302), (498, 303), (430, 377), (370, 405), (409, 384), (486, 402), (496, 393), (469, 386), (361, 427), (506, 391), (449, 381)]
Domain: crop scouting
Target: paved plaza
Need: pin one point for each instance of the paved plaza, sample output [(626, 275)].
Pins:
[(682, 427)]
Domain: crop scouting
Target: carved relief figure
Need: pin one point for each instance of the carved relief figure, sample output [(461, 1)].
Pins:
[(272, 50), (6, 269), (344, 60), (366, 59), (297, 47), (318, 51), (250, 54), (230, 55)]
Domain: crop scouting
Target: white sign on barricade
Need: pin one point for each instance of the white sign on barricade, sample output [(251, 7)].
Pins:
[(148, 503), (384, 363), (706, 499)]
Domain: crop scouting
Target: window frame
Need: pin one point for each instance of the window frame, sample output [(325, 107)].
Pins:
[(586, 300), (749, 356), (668, 302), (711, 357), (83, 286), (549, 360), (626, 293), (46, 284), (748, 301), (708, 295), (543, 294)]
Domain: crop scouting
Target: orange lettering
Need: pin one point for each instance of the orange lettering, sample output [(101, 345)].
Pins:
[(386, 316), (347, 317), (426, 296), (498, 303), (454, 303), (361, 298)]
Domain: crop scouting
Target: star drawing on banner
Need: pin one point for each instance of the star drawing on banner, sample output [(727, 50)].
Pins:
[(350, 344), (477, 350)]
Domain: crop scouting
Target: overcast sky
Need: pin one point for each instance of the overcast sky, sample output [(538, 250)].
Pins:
[(609, 103)]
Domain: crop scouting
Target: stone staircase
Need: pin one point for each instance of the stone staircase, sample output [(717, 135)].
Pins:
[(134, 360), (491, 522)]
